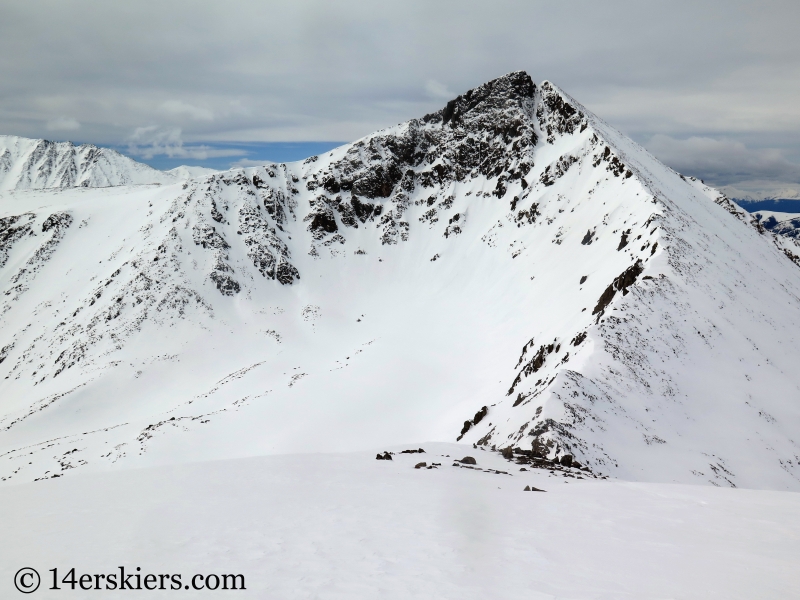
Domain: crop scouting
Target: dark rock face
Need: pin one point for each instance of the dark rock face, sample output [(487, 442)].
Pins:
[(274, 201), (566, 460), (468, 137), (557, 170), (322, 218), (513, 85), (621, 283), (624, 241), (479, 415), (13, 229), (578, 339), (378, 181), (533, 365), (269, 253), (57, 221), (561, 117), (475, 420), (262, 259), (538, 449), (225, 283), (286, 273), (364, 210), (5, 350), (206, 236)]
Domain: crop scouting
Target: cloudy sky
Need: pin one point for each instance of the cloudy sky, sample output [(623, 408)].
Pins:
[(711, 87)]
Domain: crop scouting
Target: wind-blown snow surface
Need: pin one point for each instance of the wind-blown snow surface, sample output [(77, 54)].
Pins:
[(511, 251), (348, 526), (35, 164)]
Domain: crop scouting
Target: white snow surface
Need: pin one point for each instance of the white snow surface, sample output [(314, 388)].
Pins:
[(347, 526), (389, 290), (40, 164), (189, 172)]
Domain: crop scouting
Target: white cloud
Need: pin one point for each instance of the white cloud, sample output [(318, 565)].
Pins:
[(722, 160), (63, 124), (180, 109), (339, 70), (761, 189), (153, 140), (247, 162), (438, 91)]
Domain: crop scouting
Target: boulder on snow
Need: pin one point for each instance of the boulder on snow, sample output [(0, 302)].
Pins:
[(468, 460), (421, 465)]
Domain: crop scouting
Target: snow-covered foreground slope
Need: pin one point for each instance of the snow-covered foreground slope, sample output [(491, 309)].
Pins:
[(509, 271), (348, 526), (35, 164)]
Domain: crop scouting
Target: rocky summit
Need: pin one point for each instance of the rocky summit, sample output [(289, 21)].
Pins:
[(509, 272)]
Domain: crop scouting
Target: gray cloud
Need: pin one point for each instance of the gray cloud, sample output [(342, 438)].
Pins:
[(151, 141), (726, 70), (722, 160), (438, 91), (63, 124)]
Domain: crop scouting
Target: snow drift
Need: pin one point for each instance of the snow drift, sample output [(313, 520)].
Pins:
[(509, 271)]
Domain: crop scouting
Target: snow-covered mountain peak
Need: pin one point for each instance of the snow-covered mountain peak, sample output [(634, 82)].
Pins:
[(509, 271)]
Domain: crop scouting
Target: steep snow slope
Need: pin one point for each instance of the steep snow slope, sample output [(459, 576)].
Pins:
[(780, 228), (509, 271), (34, 164)]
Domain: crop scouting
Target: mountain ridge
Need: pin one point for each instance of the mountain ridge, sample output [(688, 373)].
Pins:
[(376, 293), (37, 163)]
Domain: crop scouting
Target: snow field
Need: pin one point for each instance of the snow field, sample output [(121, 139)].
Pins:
[(348, 526)]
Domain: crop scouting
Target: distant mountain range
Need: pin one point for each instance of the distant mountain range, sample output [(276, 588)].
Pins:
[(39, 164), (784, 205)]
